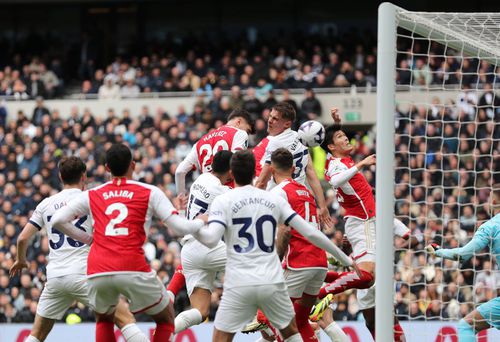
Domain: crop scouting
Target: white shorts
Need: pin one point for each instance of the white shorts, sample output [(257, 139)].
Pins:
[(200, 264), (361, 235), (59, 293), (239, 305), (144, 291), (300, 281), (366, 298)]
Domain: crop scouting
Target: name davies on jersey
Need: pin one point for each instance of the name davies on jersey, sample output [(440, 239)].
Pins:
[(215, 134), (248, 201), (202, 190), (118, 193)]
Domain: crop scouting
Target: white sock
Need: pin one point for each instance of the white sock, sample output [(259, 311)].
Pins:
[(187, 319), (31, 339), (132, 333), (294, 338), (336, 333)]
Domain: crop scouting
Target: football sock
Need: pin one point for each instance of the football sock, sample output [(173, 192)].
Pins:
[(104, 331), (346, 281), (163, 332), (187, 319), (132, 333), (336, 333)]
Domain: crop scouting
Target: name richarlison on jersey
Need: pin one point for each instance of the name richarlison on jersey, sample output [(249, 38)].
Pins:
[(118, 193), (247, 201)]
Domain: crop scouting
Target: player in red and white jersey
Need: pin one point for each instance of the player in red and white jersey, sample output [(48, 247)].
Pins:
[(121, 212), (279, 122), (66, 270), (355, 195), (232, 136), (305, 264)]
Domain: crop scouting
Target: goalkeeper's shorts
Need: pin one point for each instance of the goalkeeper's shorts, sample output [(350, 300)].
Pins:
[(491, 312)]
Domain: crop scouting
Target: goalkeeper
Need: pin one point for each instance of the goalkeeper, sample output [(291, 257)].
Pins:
[(486, 315)]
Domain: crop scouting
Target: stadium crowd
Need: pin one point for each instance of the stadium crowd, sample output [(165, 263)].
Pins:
[(452, 152)]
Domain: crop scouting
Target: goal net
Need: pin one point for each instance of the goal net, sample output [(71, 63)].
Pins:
[(446, 160)]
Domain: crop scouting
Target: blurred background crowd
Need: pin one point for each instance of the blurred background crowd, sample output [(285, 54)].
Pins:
[(231, 54)]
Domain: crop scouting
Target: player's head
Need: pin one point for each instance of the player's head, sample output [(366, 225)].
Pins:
[(72, 171), (119, 161), (282, 163), (241, 119), (221, 166), (281, 118), (336, 141), (243, 167)]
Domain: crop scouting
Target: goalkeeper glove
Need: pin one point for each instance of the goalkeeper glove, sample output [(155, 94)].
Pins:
[(432, 248)]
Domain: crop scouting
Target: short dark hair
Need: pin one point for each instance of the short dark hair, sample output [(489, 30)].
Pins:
[(282, 159), (243, 167), (329, 133), (286, 109), (71, 169), (221, 161), (118, 159), (245, 115)]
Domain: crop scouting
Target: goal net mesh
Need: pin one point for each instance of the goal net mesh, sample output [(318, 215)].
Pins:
[(447, 159)]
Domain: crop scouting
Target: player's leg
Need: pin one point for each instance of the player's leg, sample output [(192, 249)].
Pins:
[(275, 303), (41, 329), (237, 307), (485, 316), (200, 308), (361, 235), (164, 320), (54, 301), (126, 322), (103, 298), (331, 328), (176, 284)]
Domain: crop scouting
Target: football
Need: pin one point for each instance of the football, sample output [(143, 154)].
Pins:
[(311, 133)]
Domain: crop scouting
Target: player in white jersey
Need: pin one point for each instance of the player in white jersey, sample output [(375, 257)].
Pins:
[(200, 263), (67, 267), (280, 120), (248, 219)]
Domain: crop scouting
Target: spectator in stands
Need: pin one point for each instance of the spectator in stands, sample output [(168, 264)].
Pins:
[(109, 90), (39, 112), (311, 106), (130, 89)]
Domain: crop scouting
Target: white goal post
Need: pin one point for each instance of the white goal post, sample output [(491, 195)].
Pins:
[(463, 37)]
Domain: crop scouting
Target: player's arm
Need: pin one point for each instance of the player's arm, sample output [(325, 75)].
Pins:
[(314, 183), (63, 217), (283, 240), (166, 212), (240, 141), (210, 235), (340, 177), (480, 240), (28, 232), (183, 169), (313, 235), (264, 177)]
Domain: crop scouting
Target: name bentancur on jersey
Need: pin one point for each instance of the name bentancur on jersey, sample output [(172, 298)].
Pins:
[(255, 200)]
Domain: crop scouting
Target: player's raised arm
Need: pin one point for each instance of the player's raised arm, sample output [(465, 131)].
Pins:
[(63, 217), (188, 164), (313, 180)]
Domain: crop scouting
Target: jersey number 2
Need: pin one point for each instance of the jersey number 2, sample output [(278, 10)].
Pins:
[(111, 230)]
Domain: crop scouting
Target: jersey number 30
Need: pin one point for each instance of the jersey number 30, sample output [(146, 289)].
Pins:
[(259, 225)]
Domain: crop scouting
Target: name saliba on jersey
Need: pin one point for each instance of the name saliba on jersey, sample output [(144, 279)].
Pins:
[(118, 193)]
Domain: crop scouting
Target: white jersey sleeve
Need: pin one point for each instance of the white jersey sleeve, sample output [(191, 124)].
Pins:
[(160, 205), (36, 218), (336, 167), (184, 167), (240, 141)]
